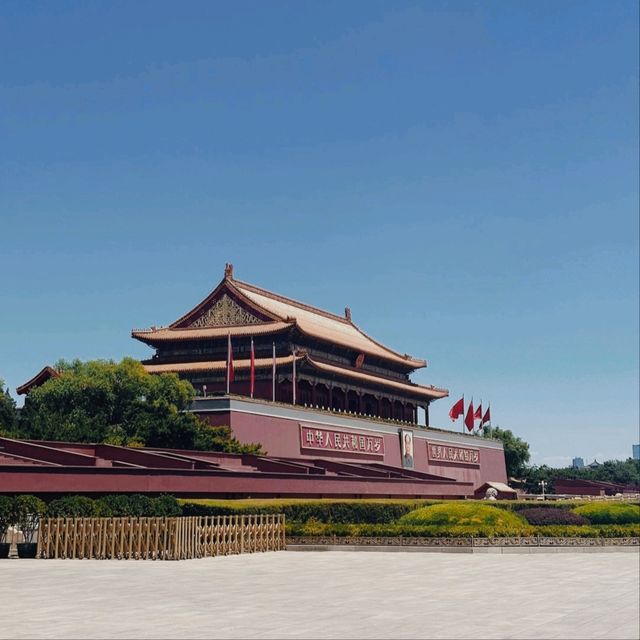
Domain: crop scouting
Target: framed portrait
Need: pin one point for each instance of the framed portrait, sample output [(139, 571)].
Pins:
[(406, 448)]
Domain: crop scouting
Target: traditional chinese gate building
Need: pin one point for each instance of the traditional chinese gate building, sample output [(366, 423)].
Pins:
[(336, 392), (338, 367)]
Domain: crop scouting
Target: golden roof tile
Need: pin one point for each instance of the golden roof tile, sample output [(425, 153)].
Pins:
[(322, 324)]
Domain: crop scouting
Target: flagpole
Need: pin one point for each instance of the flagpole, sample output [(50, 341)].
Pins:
[(273, 373), (463, 414), (294, 375), (228, 358), (252, 373)]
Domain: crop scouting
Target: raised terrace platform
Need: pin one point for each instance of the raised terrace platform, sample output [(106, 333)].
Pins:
[(306, 433), (310, 453), (53, 468)]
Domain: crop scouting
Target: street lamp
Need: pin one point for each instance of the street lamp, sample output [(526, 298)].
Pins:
[(543, 484)]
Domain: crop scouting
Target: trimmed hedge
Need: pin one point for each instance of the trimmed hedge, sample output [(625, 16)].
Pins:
[(324, 511), (543, 516), (458, 531), (406, 530), (518, 506), (463, 514), (136, 505), (364, 517), (610, 512), (589, 531), (72, 507)]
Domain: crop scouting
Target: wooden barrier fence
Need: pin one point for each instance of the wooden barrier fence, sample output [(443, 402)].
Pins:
[(159, 538)]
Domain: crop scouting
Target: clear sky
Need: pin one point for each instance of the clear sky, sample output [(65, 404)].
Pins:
[(463, 175)]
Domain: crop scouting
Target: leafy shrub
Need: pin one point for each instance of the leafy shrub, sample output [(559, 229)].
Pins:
[(72, 507), (26, 513), (165, 506), (6, 515), (610, 512), (541, 516), (115, 506), (464, 514)]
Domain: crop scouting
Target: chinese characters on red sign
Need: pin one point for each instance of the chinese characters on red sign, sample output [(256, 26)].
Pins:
[(444, 453), (327, 440)]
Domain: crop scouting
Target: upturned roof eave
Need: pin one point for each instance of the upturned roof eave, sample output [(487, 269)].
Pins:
[(367, 377), (46, 373)]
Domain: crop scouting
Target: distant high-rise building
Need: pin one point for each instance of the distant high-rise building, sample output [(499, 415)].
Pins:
[(578, 463), (636, 451)]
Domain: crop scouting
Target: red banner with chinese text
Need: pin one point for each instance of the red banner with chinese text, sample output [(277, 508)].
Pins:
[(446, 453), (318, 438)]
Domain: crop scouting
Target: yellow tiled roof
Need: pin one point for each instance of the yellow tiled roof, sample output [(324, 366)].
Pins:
[(322, 324)]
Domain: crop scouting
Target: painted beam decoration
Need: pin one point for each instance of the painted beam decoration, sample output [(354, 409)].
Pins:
[(318, 438), (447, 453)]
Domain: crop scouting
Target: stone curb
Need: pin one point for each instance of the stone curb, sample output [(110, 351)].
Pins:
[(443, 549)]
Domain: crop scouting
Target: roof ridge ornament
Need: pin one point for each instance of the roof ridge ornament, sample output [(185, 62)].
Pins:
[(347, 313), (228, 271)]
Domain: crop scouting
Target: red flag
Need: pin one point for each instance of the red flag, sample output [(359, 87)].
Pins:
[(478, 414), (487, 416), (468, 420), (230, 372), (457, 410), (252, 373)]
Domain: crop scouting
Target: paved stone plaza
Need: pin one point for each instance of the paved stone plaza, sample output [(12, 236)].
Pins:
[(326, 595)]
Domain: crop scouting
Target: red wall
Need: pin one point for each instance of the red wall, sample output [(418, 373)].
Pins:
[(281, 437)]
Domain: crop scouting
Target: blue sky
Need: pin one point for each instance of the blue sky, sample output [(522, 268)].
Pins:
[(463, 175)]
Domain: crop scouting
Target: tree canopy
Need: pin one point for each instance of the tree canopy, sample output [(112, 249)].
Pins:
[(516, 450), (8, 415), (617, 471), (120, 403)]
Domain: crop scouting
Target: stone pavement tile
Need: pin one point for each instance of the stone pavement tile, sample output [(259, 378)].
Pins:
[(327, 595)]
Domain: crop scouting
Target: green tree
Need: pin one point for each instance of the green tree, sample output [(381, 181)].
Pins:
[(534, 475), (122, 404), (617, 471), (8, 412), (516, 450)]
